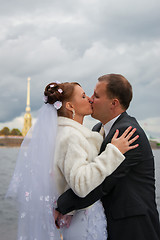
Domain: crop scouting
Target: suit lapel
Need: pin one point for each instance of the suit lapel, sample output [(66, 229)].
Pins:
[(104, 143), (111, 132), (97, 127), (124, 114)]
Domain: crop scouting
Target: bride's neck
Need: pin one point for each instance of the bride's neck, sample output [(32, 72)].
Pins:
[(79, 119)]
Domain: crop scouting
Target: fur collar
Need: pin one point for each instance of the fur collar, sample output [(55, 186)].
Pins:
[(86, 132)]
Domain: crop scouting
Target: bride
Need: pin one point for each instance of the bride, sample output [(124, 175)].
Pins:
[(60, 153)]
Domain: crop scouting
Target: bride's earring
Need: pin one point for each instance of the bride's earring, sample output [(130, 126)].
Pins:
[(73, 115)]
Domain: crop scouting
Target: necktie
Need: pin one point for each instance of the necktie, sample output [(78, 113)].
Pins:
[(102, 132)]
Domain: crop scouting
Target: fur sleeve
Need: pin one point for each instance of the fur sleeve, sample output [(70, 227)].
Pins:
[(83, 176)]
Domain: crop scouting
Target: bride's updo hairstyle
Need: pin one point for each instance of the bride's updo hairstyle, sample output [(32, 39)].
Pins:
[(61, 92)]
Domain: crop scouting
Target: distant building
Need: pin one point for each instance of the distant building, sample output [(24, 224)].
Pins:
[(27, 117)]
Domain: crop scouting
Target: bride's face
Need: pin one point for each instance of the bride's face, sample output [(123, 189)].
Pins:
[(80, 102)]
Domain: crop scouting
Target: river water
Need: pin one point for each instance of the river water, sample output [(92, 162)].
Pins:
[(8, 214)]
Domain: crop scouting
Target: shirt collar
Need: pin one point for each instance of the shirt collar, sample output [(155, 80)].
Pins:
[(108, 125)]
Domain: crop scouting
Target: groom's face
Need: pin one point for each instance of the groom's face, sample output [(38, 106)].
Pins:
[(101, 104)]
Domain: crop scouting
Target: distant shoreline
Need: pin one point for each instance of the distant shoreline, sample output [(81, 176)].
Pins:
[(16, 141), (11, 141), (154, 144)]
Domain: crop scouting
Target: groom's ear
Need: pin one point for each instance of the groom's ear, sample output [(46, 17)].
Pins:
[(115, 102), (69, 106)]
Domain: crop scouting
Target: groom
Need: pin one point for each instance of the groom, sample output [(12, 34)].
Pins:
[(128, 194)]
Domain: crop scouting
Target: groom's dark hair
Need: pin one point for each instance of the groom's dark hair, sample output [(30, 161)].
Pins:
[(119, 87)]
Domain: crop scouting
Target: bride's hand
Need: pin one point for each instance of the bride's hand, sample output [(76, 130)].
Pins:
[(123, 142)]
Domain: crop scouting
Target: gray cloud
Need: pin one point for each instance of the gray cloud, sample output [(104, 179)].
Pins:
[(78, 41)]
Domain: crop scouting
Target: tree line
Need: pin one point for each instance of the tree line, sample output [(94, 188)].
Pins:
[(7, 132)]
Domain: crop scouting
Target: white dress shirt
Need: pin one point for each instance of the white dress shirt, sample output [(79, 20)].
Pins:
[(108, 125)]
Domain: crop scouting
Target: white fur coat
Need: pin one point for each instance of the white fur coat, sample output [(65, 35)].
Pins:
[(76, 163)]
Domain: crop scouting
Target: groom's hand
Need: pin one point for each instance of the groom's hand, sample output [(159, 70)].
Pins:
[(56, 215), (61, 220)]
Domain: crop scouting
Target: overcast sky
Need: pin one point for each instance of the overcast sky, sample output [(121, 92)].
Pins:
[(79, 40)]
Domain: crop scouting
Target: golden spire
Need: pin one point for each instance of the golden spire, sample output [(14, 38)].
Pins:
[(28, 109), (27, 116)]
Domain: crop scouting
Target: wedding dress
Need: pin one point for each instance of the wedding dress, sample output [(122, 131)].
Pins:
[(87, 224)]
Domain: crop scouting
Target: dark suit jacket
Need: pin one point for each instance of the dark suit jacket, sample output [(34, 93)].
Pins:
[(128, 194)]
